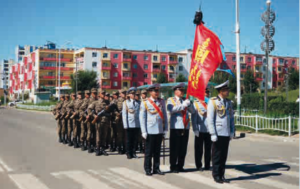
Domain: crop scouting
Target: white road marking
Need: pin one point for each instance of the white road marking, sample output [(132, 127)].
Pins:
[(281, 161), (27, 181), (113, 178), (5, 166), (264, 181), (142, 179), (1, 170), (284, 172), (85, 179)]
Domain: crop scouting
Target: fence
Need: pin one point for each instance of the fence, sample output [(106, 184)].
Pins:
[(33, 107), (288, 124)]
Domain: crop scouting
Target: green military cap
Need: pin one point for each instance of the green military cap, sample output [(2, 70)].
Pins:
[(87, 91), (103, 92), (67, 95), (144, 91), (79, 92), (73, 94), (107, 94), (138, 92), (94, 90), (115, 93), (62, 96)]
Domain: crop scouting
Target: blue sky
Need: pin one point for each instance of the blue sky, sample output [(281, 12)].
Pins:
[(140, 24)]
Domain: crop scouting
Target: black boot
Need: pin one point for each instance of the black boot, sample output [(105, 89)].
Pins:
[(75, 143), (90, 149), (104, 152), (98, 152), (70, 142), (83, 146), (60, 140)]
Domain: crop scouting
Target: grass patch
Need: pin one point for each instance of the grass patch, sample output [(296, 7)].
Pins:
[(41, 104), (292, 95), (33, 109)]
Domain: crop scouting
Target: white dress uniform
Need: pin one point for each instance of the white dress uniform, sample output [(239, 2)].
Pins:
[(130, 116), (202, 136), (153, 127), (179, 133), (220, 122)]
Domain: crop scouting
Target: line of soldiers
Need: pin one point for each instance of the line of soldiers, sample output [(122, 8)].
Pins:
[(123, 119)]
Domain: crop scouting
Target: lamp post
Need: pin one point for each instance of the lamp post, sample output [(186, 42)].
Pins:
[(238, 66), (59, 61), (268, 44)]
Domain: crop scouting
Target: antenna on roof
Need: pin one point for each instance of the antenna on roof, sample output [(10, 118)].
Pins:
[(156, 48)]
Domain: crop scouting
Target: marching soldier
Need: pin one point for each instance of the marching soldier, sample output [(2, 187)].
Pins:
[(90, 127), (64, 128), (179, 130), (114, 121), (202, 136), (75, 118), (144, 94), (130, 114), (120, 128), (108, 132), (139, 144), (220, 122), (70, 110), (83, 109), (56, 112), (154, 126)]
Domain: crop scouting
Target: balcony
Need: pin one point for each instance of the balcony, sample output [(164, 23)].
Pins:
[(47, 77), (54, 68), (126, 59), (154, 79), (105, 77), (106, 67), (156, 70), (171, 79), (56, 59), (280, 79), (79, 59), (259, 79), (171, 70), (258, 63), (126, 69), (173, 62), (127, 77), (279, 70)]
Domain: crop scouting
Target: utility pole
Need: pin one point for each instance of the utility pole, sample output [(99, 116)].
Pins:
[(238, 66)]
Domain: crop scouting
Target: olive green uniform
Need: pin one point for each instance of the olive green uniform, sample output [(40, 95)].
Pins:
[(76, 122), (56, 112), (82, 115)]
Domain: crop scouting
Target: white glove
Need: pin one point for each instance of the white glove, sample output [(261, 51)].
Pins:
[(231, 135), (144, 135), (214, 138), (186, 103), (165, 134), (196, 133)]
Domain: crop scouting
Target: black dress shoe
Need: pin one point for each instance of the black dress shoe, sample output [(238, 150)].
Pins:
[(225, 180), (129, 156), (83, 148), (200, 169), (70, 143), (181, 170), (134, 156), (173, 171), (218, 180), (157, 171), (90, 150), (104, 153), (98, 152), (207, 168), (60, 140), (148, 173)]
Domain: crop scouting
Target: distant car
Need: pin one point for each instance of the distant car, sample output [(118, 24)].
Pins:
[(15, 102)]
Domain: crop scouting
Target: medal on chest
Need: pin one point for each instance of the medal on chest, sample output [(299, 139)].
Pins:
[(221, 110)]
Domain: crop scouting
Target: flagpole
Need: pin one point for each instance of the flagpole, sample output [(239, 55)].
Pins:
[(238, 66)]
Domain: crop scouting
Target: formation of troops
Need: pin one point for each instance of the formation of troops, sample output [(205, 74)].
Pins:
[(132, 120)]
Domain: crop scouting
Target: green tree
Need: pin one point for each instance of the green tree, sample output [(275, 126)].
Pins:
[(249, 82), (161, 78), (294, 80), (181, 78), (86, 80), (220, 77)]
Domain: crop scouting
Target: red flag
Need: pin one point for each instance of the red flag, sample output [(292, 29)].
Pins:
[(207, 56)]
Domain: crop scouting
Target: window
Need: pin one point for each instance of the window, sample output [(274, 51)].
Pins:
[(134, 57), (257, 68), (233, 67), (50, 73), (171, 76), (125, 65), (105, 64), (135, 75), (163, 67), (126, 74), (286, 61), (249, 59), (125, 84), (257, 75), (155, 75), (264, 68), (163, 58), (145, 57), (233, 59), (279, 83), (94, 54), (242, 75), (50, 83), (146, 66), (243, 66), (145, 83), (145, 75), (116, 74), (172, 58), (279, 69), (134, 84), (281, 60), (115, 65), (135, 66), (116, 56), (171, 68), (180, 68), (105, 74), (249, 67), (241, 59), (105, 83), (62, 65), (263, 84), (293, 62), (258, 59), (180, 59), (105, 55), (265, 60), (94, 64), (154, 58), (115, 83)]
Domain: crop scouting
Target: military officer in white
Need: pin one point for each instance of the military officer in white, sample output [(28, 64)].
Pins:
[(220, 122), (130, 115), (154, 126), (202, 136), (179, 130)]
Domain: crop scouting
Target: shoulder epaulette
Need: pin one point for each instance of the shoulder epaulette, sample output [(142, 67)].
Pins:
[(214, 98)]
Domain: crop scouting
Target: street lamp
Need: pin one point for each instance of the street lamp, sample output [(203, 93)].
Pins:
[(59, 61), (238, 66), (268, 44)]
